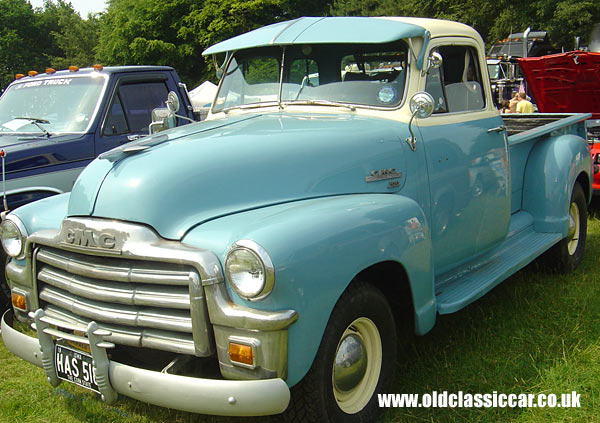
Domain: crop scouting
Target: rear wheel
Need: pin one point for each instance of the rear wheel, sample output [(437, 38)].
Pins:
[(354, 363), (568, 253)]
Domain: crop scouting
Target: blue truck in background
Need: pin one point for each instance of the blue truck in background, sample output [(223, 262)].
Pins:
[(353, 177), (54, 124)]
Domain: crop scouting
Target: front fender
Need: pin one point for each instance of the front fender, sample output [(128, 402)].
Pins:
[(317, 247), (46, 213), (553, 166), (19, 197)]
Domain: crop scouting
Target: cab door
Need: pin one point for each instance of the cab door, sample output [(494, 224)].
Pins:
[(467, 158), (129, 109)]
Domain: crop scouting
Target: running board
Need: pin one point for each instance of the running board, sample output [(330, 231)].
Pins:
[(457, 289)]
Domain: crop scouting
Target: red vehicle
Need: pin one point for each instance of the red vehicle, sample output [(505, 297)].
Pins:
[(568, 83)]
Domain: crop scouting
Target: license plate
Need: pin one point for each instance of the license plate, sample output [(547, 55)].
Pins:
[(75, 367)]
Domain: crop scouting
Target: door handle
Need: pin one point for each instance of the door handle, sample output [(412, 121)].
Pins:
[(134, 137), (497, 129)]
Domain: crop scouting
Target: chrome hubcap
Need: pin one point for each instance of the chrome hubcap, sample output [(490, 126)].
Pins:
[(573, 234), (357, 365), (350, 363)]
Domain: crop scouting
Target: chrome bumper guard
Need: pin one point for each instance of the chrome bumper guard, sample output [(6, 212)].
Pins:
[(206, 396)]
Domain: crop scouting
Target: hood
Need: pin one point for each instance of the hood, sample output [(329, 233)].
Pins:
[(20, 141), (32, 150), (202, 171)]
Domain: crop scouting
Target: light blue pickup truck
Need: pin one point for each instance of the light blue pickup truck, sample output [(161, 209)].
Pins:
[(352, 177)]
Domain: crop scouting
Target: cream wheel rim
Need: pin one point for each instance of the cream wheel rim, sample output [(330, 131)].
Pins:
[(573, 234), (353, 396)]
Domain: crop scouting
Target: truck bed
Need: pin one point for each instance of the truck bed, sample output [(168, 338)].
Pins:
[(516, 123)]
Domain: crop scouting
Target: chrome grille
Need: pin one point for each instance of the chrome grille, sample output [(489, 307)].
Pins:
[(143, 303)]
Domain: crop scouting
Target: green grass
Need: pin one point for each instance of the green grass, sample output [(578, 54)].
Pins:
[(535, 333)]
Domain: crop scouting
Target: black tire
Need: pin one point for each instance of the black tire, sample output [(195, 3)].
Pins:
[(565, 256), (317, 398), (4, 289)]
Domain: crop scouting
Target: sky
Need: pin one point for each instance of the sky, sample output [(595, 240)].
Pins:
[(82, 6)]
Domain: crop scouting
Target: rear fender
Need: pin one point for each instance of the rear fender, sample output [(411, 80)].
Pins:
[(553, 166)]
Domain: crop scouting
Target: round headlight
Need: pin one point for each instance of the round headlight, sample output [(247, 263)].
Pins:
[(249, 270), (13, 236)]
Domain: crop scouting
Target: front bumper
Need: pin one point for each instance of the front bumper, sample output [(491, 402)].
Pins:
[(205, 396)]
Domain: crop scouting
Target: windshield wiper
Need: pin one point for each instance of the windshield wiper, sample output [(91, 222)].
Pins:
[(322, 103), (36, 122), (250, 106)]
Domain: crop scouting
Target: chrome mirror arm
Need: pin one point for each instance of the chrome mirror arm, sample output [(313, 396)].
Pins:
[(421, 105), (412, 140)]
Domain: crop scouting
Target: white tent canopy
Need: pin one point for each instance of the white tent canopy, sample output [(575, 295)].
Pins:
[(203, 95)]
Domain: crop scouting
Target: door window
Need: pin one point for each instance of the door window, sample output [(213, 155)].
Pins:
[(457, 85), (131, 109)]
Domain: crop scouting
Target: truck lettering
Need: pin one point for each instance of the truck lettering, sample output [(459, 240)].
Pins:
[(87, 238)]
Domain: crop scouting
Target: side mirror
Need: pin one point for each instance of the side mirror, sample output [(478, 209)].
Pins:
[(421, 106), (434, 61), (172, 102), (162, 119)]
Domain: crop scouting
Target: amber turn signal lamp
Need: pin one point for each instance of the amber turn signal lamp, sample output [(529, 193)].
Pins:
[(18, 301), (32, 73), (19, 76), (241, 353), (73, 68), (50, 71)]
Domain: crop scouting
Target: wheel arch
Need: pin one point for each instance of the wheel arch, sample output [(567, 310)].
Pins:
[(391, 278), (584, 180)]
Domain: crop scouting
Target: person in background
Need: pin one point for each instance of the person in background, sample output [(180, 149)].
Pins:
[(524, 105), (505, 106), (513, 102)]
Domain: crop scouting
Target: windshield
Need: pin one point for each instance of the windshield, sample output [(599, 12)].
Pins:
[(494, 71), (357, 74), (53, 105)]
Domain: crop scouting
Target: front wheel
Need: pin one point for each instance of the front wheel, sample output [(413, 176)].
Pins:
[(568, 253), (4, 289), (354, 363)]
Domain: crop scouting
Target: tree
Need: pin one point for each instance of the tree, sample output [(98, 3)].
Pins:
[(563, 19), (176, 32), (148, 32), (20, 48), (72, 38)]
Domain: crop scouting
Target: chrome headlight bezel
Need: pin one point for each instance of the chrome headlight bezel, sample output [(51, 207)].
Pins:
[(12, 223), (265, 285)]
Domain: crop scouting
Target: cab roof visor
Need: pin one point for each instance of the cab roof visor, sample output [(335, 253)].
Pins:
[(330, 30)]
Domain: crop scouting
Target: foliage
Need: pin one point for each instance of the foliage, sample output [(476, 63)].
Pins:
[(73, 38), (176, 32), (146, 32), (563, 19), (19, 46), (33, 39)]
